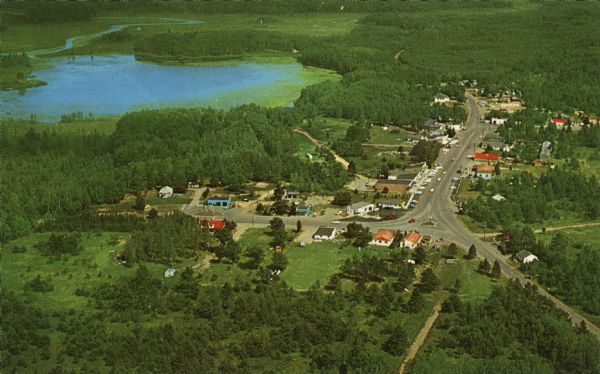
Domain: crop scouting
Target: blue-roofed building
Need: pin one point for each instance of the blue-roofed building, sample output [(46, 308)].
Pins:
[(220, 201), (303, 211)]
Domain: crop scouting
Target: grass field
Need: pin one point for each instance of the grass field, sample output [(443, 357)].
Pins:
[(27, 37), (91, 267)]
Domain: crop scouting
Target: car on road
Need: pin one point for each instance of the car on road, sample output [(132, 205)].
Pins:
[(390, 217), (431, 190), (412, 220), (335, 222), (439, 179)]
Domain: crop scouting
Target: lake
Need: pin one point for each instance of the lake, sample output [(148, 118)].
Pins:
[(112, 85)]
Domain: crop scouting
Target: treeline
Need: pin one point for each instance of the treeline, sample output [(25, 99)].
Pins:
[(60, 174), (535, 200), (570, 269), (510, 329), (49, 12), (15, 59), (217, 44)]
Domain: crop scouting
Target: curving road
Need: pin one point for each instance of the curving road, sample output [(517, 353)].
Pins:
[(438, 207)]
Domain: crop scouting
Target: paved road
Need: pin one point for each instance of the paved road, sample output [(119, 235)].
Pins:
[(438, 207)]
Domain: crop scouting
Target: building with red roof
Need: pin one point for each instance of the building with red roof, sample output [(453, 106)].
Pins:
[(383, 238), (486, 156), (412, 239), (212, 223)]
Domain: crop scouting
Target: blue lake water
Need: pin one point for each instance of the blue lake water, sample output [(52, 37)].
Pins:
[(112, 85)]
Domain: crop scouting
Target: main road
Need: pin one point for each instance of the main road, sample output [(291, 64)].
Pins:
[(439, 208)]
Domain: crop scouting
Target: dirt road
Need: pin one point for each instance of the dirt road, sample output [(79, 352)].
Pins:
[(421, 336)]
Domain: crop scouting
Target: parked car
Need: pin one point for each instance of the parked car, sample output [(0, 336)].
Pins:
[(412, 220)]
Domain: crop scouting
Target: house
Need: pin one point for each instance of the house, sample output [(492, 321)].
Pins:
[(495, 142), (499, 121), (324, 233), (389, 203), (220, 201), (486, 157), (456, 127), (383, 238), (525, 257), (303, 211), (411, 240), (291, 194), (165, 192), (558, 122), (212, 223), (484, 171), (360, 208), (441, 98), (170, 272), (497, 197), (392, 186)]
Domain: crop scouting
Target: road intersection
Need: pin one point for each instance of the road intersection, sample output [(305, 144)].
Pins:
[(436, 206)]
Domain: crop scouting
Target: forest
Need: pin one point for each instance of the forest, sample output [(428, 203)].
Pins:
[(509, 333), (569, 268), (535, 200), (151, 148)]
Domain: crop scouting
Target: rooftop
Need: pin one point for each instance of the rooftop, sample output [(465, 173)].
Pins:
[(324, 231), (413, 237), (384, 234)]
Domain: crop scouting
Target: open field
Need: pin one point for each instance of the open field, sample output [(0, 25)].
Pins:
[(27, 37), (91, 267)]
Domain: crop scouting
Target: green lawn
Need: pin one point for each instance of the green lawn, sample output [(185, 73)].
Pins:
[(317, 261), (380, 136), (91, 267), (329, 129)]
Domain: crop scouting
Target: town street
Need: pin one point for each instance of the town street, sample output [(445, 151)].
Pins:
[(436, 206)]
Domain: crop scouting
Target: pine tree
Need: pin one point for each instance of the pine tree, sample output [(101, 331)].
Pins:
[(496, 271), (472, 252)]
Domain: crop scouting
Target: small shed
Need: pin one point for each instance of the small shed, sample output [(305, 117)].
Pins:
[(165, 192), (170, 272)]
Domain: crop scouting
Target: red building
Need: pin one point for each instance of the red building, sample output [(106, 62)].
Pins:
[(213, 223), (486, 156)]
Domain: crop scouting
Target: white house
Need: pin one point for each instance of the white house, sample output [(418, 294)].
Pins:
[(499, 121), (383, 238), (411, 240), (165, 192), (361, 208), (169, 273), (324, 233), (484, 171), (441, 99), (526, 257), (390, 203)]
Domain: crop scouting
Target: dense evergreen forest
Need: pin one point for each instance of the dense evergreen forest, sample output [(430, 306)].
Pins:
[(569, 268), (535, 200), (149, 149), (515, 330)]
